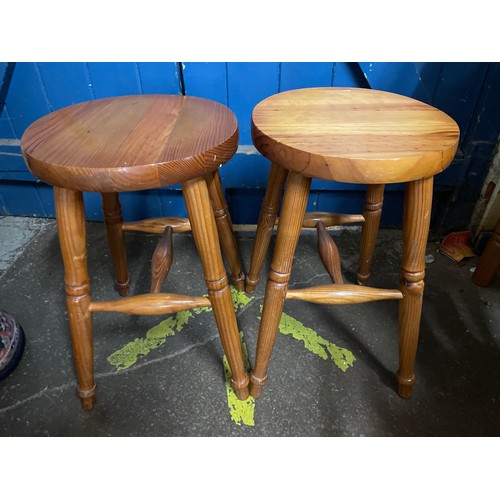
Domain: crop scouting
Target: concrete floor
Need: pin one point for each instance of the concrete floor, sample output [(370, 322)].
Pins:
[(332, 369)]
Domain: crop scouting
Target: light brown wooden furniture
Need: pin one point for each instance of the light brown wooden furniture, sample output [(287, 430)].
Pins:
[(131, 143), (489, 261), (357, 136)]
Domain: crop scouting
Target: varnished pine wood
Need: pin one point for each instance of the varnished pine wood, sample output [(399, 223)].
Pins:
[(70, 216), (360, 136), (225, 228), (289, 227), (489, 261), (354, 135), (130, 142), (311, 219), (162, 260), (207, 242), (343, 294), (416, 220), (112, 212), (158, 225), (329, 254), (125, 144), (373, 211), (267, 218), (151, 304)]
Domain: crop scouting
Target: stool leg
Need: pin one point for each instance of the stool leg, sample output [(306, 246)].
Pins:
[(267, 219), (113, 218), (225, 229), (206, 238), (73, 240), (372, 214), (490, 260), (417, 214), (289, 227)]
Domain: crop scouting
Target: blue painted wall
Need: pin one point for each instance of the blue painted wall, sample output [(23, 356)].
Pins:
[(469, 92)]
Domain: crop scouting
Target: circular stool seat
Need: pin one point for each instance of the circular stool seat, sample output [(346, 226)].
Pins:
[(354, 135), (349, 135), (131, 142)]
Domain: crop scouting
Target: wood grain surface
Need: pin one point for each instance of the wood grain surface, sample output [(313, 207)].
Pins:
[(130, 143), (354, 135), (343, 294)]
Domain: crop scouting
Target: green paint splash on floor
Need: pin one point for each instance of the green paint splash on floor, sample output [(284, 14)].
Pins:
[(242, 412), (129, 354), (343, 358)]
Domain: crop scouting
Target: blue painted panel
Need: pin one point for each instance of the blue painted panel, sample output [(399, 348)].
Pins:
[(302, 75), (248, 84), (344, 75), (486, 126), (65, 83), (458, 91), (172, 202), (401, 78), (26, 101), (245, 171), (6, 129), (20, 198), (430, 73), (46, 196), (114, 79), (11, 159), (141, 204), (159, 78), (207, 80), (3, 67)]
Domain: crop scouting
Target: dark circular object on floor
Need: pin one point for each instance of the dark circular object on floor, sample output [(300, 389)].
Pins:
[(12, 341)]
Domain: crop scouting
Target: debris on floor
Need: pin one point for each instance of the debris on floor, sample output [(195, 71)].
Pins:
[(456, 246)]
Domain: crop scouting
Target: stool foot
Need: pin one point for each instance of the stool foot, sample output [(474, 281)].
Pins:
[(256, 385), (363, 279), (250, 285), (122, 288), (239, 282), (87, 397), (242, 391), (405, 386)]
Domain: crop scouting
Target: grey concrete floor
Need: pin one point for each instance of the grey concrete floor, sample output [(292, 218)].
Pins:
[(332, 368)]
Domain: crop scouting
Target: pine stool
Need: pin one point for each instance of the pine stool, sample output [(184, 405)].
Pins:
[(357, 136), (132, 143)]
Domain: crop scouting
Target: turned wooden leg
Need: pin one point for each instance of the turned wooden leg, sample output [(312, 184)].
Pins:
[(72, 237), (267, 219), (373, 212), (206, 238), (113, 218), (225, 229), (489, 261), (289, 227), (417, 215)]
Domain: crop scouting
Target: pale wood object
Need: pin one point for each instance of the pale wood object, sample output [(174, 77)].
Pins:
[(131, 143), (357, 136), (489, 261)]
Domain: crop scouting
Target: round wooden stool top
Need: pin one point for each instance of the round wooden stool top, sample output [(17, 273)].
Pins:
[(130, 143), (354, 135)]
